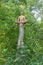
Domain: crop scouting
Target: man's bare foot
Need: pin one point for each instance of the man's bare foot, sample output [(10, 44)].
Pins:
[(17, 22)]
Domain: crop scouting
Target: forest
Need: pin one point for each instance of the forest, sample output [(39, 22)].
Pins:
[(31, 51)]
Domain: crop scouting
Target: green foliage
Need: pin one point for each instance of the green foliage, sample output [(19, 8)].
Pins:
[(31, 52)]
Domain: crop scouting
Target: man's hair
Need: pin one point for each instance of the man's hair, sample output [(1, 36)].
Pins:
[(21, 13)]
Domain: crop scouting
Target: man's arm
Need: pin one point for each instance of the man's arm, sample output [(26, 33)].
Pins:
[(18, 20), (24, 19)]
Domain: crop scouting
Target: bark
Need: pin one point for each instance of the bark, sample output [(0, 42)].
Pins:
[(21, 35)]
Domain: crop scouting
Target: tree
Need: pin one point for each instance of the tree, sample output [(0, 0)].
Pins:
[(32, 49)]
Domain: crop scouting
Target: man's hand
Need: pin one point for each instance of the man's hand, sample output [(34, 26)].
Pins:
[(24, 21)]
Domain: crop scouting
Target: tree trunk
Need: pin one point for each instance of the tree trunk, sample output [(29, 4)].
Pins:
[(21, 35)]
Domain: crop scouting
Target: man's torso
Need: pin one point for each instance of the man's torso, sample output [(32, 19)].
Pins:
[(21, 18)]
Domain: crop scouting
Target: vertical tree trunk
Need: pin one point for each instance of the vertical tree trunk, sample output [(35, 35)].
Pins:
[(21, 35)]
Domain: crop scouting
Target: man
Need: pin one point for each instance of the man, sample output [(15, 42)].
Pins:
[(21, 20)]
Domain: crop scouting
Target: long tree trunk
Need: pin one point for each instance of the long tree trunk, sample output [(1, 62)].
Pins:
[(21, 35)]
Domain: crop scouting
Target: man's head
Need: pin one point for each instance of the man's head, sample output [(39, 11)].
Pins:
[(21, 13)]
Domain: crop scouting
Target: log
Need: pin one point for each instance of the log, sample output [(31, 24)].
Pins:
[(21, 35)]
